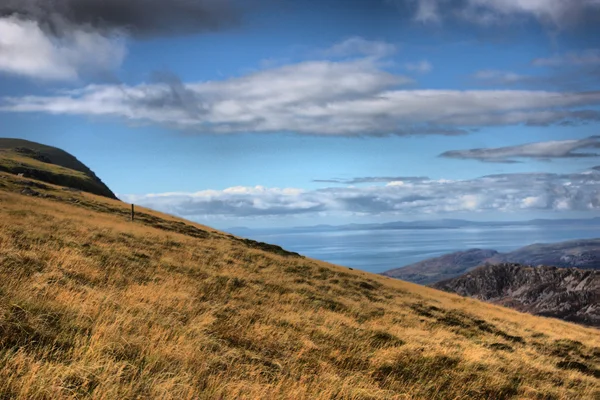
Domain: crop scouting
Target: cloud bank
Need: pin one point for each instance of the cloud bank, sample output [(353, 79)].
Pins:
[(26, 50), (348, 97), (374, 179), (540, 151), (500, 193)]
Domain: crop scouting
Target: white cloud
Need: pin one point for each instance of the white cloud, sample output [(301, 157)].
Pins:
[(534, 202), (351, 97), (499, 193), (428, 11), (555, 12), (26, 50), (589, 57), (539, 150), (421, 67), (358, 46), (374, 179), (499, 77)]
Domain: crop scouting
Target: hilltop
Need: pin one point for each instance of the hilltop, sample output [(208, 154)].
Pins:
[(93, 305), (583, 254), (568, 293), (49, 164)]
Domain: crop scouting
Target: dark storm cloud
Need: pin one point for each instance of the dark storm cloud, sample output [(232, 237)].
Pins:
[(137, 17)]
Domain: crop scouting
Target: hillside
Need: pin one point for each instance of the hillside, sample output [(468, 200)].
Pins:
[(93, 305), (583, 254), (440, 268), (568, 293), (49, 164), (572, 254)]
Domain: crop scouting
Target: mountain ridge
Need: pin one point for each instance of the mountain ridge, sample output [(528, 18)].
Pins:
[(424, 224), (571, 294), (583, 253)]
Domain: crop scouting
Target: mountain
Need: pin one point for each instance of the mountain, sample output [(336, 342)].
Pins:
[(94, 305), (428, 224), (49, 164), (440, 268), (574, 253), (568, 293), (571, 254)]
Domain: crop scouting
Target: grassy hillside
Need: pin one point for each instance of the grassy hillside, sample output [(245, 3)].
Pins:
[(93, 305), (49, 164)]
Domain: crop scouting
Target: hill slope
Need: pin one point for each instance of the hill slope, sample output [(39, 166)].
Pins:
[(93, 305), (571, 254), (49, 164), (440, 268), (568, 293)]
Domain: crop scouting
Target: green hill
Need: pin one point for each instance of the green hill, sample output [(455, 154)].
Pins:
[(49, 164)]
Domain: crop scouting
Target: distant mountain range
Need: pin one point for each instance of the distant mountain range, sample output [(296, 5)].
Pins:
[(432, 224), (583, 254), (571, 294)]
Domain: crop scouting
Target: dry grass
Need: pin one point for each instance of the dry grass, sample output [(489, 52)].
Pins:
[(95, 306)]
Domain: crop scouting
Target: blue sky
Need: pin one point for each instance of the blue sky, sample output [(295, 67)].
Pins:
[(285, 113)]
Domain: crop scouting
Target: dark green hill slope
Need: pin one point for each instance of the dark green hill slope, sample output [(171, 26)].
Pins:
[(49, 164)]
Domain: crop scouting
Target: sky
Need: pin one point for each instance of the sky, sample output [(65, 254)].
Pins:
[(265, 113)]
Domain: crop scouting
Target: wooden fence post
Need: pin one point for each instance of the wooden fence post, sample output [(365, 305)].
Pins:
[(132, 212)]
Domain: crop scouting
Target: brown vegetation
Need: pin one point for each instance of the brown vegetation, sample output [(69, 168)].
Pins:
[(95, 306)]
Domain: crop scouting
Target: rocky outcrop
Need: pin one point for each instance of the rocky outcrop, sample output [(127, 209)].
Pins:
[(571, 294)]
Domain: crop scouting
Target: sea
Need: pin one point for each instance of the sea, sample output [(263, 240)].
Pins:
[(379, 250)]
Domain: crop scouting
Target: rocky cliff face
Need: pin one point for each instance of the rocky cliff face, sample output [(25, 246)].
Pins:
[(568, 293)]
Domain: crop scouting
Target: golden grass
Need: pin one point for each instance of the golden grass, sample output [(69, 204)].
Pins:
[(95, 306)]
